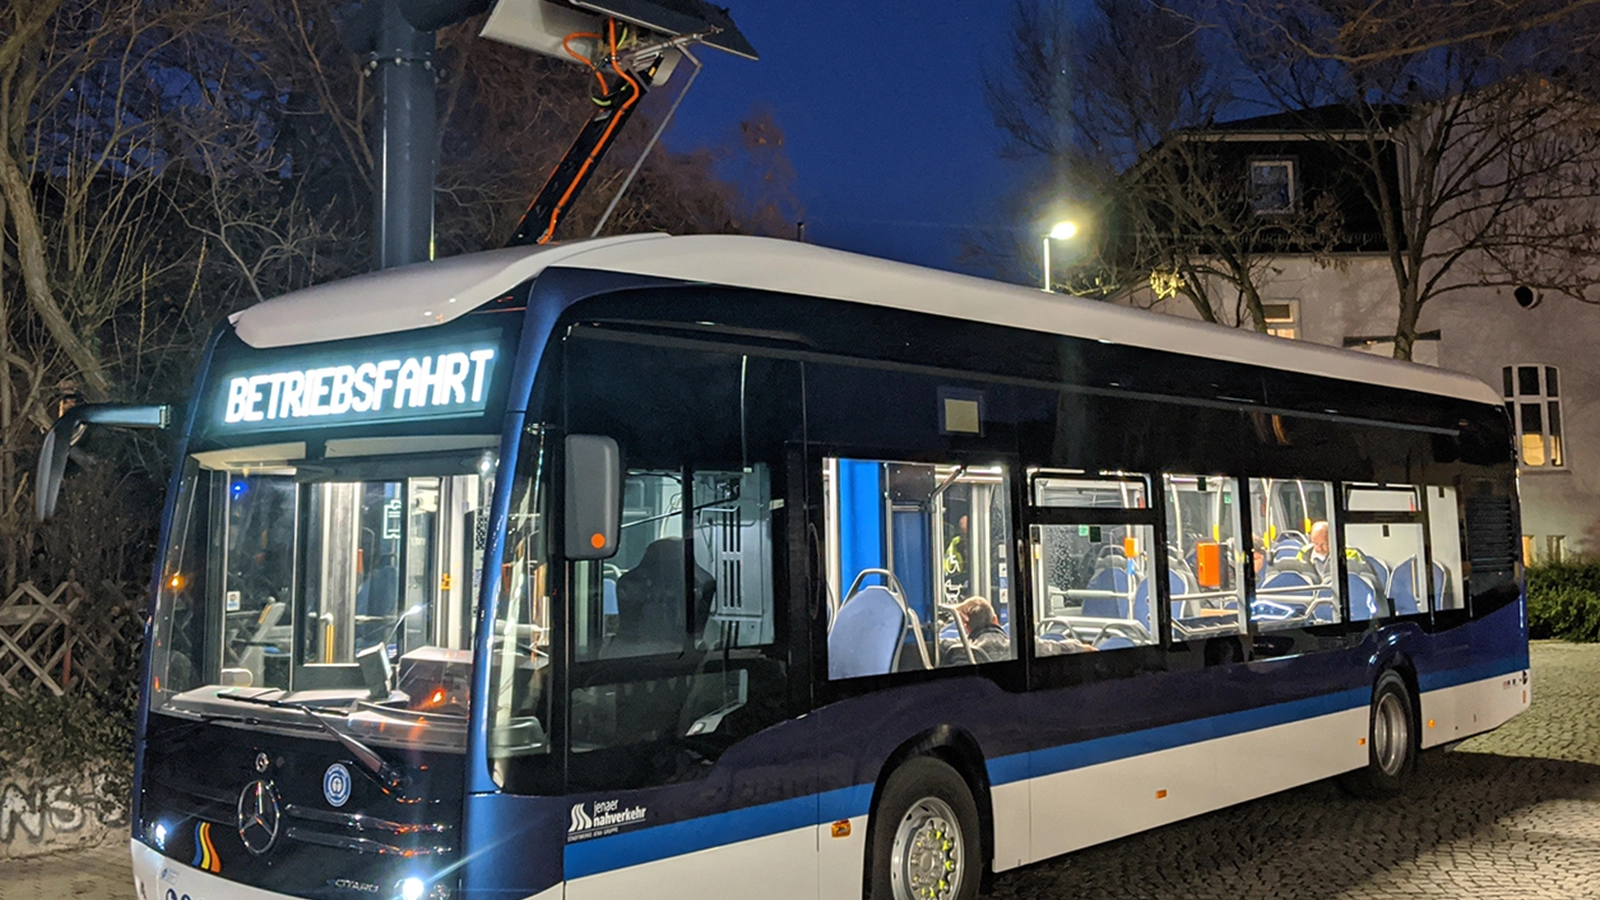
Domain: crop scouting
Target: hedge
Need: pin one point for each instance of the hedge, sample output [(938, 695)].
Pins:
[(1564, 601), (42, 735)]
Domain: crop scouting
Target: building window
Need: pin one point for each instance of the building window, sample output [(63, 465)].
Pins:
[(1533, 400), (1272, 186), (1282, 318), (1555, 548)]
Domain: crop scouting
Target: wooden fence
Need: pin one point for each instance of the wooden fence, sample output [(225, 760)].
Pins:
[(54, 640)]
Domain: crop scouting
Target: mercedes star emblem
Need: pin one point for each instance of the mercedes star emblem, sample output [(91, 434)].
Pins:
[(258, 817)]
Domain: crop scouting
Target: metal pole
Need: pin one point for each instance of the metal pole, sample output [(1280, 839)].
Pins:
[(1046, 257), (402, 62), (626, 182)]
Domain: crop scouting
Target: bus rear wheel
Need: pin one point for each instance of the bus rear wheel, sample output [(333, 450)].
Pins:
[(925, 843), (1391, 740)]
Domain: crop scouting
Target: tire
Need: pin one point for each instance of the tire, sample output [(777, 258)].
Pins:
[(925, 837), (1391, 741)]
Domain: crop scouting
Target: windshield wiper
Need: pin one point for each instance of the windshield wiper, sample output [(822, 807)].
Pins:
[(389, 777)]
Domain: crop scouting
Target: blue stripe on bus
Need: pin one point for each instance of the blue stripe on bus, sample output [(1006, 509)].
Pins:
[(844, 803), (1468, 674), (645, 845), (1082, 754)]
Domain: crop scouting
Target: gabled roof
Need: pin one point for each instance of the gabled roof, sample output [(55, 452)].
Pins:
[(1336, 118), (429, 294)]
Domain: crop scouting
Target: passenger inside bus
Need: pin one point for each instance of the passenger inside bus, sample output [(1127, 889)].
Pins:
[(1383, 551), (918, 566), (988, 641)]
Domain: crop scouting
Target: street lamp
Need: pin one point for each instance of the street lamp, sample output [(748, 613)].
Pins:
[(1060, 232)]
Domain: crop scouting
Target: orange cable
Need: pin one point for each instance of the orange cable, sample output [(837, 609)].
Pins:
[(561, 204), (584, 59)]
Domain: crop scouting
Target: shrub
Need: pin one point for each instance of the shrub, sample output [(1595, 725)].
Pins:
[(42, 735), (1564, 601)]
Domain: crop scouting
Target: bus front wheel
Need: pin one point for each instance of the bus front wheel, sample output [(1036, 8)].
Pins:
[(925, 843), (1391, 740)]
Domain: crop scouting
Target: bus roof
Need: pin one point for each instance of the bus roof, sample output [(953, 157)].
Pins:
[(433, 293)]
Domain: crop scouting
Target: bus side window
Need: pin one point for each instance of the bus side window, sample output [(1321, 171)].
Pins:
[(1294, 557), (1384, 551), (1204, 550), (1092, 544), (1444, 540), (918, 566)]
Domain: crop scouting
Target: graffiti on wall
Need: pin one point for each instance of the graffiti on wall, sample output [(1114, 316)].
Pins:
[(41, 812)]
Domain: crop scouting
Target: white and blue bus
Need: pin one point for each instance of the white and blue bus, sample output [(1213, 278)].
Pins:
[(720, 567)]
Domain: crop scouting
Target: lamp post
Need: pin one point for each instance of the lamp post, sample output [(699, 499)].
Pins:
[(1060, 232)]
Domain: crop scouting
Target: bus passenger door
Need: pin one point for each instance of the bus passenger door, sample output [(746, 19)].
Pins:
[(688, 765)]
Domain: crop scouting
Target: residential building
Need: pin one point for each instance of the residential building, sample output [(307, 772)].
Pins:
[(1539, 349)]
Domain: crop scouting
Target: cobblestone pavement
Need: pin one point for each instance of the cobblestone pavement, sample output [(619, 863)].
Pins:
[(1512, 815), (99, 872)]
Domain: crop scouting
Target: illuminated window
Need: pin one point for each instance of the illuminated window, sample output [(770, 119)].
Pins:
[(1282, 318), (1533, 400), (1272, 186)]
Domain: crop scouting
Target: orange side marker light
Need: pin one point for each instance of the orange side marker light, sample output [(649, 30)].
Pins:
[(1161, 794), (841, 828), (1361, 742), (1430, 723), (597, 540)]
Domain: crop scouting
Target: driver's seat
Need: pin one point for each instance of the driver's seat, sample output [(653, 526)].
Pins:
[(252, 656)]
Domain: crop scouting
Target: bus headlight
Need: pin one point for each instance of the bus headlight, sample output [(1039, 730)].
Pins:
[(159, 832), (418, 889)]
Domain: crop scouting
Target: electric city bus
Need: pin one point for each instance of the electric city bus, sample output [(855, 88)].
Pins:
[(722, 566)]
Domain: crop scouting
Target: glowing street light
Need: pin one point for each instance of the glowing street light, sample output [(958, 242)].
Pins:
[(1061, 231)]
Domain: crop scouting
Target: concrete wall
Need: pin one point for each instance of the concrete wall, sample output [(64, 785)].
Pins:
[(1481, 331), (45, 815)]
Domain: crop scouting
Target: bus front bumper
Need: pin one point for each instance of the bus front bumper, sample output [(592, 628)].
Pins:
[(155, 877)]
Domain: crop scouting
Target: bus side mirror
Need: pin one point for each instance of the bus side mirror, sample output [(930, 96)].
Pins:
[(70, 428), (593, 496)]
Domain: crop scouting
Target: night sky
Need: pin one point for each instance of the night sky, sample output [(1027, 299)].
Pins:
[(882, 107)]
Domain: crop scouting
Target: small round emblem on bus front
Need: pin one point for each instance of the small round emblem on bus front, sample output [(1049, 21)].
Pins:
[(258, 817), (262, 762), (336, 785)]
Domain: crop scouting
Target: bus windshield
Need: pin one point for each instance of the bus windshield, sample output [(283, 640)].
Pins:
[(346, 580)]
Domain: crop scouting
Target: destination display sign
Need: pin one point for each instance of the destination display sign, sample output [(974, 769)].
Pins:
[(446, 379)]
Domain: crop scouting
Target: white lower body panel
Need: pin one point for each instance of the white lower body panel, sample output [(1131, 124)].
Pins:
[(782, 865), (1081, 807), (158, 878), (1454, 713)]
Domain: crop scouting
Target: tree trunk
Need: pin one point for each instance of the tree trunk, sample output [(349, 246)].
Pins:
[(1405, 329), (1252, 302), (36, 278)]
